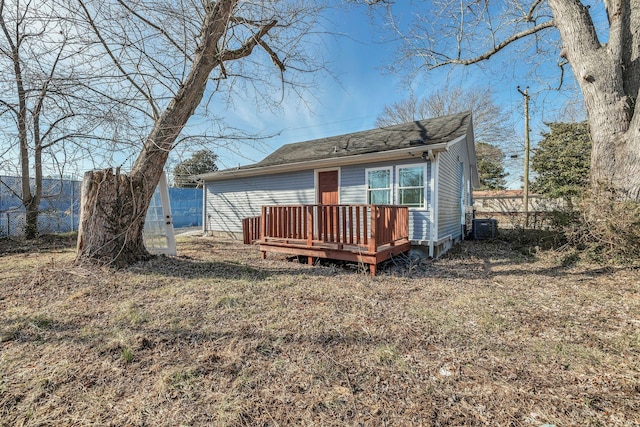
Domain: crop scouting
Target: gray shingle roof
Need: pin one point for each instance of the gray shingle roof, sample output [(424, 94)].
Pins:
[(417, 133)]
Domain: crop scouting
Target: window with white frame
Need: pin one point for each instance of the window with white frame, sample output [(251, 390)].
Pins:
[(379, 186), (410, 184)]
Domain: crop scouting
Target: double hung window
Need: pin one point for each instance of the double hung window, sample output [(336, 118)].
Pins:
[(379, 186), (411, 186), (408, 188)]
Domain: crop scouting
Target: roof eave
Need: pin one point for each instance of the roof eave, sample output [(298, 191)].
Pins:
[(403, 153)]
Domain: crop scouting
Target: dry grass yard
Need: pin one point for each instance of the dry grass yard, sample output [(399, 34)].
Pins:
[(217, 337)]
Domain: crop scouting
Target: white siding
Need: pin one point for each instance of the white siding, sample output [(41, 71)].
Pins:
[(450, 188), (353, 191), (229, 201)]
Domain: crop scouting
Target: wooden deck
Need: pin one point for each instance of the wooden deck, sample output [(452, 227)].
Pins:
[(367, 234)]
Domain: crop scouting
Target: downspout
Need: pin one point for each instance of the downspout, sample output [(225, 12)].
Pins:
[(433, 217)]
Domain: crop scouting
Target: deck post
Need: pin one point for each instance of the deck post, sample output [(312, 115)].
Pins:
[(365, 226), (358, 231), (343, 212), (263, 224), (393, 228), (309, 209), (374, 228), (350, 225), (373, 268)]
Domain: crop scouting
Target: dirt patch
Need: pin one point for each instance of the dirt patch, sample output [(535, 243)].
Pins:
[(486, 335)]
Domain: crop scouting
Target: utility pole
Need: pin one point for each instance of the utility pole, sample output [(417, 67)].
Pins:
[(525, 198)]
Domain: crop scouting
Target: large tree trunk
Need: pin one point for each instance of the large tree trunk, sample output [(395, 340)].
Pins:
[(609, 76), (114, 206), (113, 209)]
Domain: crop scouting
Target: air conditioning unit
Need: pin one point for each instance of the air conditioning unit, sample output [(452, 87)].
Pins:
[(484, 228)]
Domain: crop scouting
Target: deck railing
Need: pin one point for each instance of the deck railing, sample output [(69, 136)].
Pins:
[(366, 226), (251, 229)]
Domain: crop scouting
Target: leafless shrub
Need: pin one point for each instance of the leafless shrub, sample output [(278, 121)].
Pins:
[(607, 229)]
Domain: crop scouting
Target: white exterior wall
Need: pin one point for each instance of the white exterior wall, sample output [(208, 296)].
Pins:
[(228, 201), (353, 191), (454, 191)]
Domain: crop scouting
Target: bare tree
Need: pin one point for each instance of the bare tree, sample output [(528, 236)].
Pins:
[(173, 54), (490, 121), (50, 103), (465, 32)]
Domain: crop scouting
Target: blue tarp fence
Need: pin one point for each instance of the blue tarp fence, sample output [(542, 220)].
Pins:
[(60, 206), (186, 207)]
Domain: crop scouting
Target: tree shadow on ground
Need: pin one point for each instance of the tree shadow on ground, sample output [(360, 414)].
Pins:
[(192, 268), (468, 259)]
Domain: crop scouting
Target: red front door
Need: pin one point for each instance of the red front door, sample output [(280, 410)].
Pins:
[(328, 188), (328, 195)]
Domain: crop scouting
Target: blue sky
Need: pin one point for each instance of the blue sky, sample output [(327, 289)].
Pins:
[(354, 96), (348, 101), (363, 88)]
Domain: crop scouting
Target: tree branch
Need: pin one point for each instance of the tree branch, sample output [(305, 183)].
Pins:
[(155, 27), (617, 30), (52, 127), (247, 47), (529, 16), (3, 25), (9, 106), (116, 62), (264, 29), (43, 94), (274, 56), (497, 48)]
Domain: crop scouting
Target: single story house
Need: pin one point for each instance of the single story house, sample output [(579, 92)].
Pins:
[(427, 165)]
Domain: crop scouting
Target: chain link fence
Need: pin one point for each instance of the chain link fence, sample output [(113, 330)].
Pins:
[(12, 223), (60, 206)]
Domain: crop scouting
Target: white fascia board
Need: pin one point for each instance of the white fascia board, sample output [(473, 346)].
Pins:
[(404, 153)]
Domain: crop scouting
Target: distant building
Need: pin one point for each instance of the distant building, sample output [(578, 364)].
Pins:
[(507, 206)]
